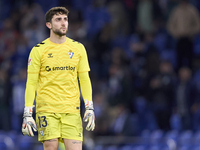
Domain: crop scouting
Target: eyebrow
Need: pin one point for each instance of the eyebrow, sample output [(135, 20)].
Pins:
[(56, 17)]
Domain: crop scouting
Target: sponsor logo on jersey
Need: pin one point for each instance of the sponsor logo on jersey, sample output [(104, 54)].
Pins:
[(70, 53), (29, 61), (48, 68), (50, 55), (59, 68)]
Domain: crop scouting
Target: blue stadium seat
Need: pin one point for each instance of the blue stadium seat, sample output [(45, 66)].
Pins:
[(156, 137), (196, 140), (195, 147), (25, 142), (159, 146), (2, 132), (13, 135), (154, 147), (145, 136), (165, 147), (3, 146), (172, 134), (98, 147), (126, 147), (171, 144), (112, 147), (140, 147), (6, 143), (185, 138), (171, 138), (185, 148)]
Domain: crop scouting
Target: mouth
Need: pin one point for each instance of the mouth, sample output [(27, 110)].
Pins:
[(63, 28)]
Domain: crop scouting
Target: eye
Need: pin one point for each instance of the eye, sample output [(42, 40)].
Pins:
[(66, 19), (58, 19)]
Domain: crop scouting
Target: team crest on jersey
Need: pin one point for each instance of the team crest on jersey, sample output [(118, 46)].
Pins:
[(29, 61), (70, 53), (41, 132)]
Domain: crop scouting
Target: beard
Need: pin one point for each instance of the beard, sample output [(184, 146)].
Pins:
[(59, 32)]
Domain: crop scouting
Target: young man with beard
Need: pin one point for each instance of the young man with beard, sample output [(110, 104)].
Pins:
[(54, 68)]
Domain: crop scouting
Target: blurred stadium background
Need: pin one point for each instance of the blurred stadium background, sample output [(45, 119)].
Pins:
[(144, 98)]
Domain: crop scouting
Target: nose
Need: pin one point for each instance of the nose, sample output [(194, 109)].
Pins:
[(63, 22)]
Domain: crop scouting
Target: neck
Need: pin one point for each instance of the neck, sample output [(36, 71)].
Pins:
[(57, 39)]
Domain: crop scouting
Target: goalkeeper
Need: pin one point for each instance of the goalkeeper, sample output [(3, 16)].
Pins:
[(56, 68)]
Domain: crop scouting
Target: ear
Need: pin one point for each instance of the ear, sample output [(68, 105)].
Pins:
[(48, 24)]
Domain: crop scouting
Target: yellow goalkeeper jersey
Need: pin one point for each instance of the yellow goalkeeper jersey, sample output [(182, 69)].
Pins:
[(57, 66)]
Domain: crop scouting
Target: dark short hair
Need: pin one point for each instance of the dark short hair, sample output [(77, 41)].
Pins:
[(54, 11)]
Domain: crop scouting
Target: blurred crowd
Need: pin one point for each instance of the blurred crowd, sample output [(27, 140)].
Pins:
[(144, 57)]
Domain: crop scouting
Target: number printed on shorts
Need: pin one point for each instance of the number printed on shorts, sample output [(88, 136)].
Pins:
[(42, 121)]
